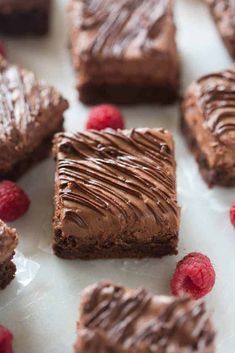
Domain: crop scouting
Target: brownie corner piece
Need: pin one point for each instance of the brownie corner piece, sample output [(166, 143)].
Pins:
[(31, 112), (208, 123), (115, 194), (8, 244), (120, 320), (124, 51), (223, 12), (25, 17)]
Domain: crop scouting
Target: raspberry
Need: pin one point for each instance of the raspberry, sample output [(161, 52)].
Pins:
[(194, 275), (232, 214), (13, 201), (2, 49), (105, 116), (5, 340)]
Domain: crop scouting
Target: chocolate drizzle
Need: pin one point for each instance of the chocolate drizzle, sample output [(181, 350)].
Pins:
[(126, 174), (118, 23), (137, 321), (22, 99), (217, 101), (223, 12)]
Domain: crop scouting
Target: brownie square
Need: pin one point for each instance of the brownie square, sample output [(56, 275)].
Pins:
[(30, 113), (208, 123), (8, 243), (20, 17), (115, 194), (124, 51), (119, 320), (223, 12)]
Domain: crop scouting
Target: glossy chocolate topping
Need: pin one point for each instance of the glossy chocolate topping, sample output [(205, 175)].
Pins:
[(209, 112), (29, 111), (8, 241), (118, 23), (121, 181), (113, 28), (217, 101), (121, 320), (223, 12)]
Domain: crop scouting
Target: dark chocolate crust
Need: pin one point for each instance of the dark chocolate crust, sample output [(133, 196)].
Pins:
[(115, 194), (127, 94), (71, 249), (32, 20), (125, 51), (119, 320), (208, 123), (223, 12), (7, 273)]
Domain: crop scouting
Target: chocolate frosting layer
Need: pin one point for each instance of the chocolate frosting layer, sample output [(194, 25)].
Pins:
[(30, 110), (120, 24), (217, 101), (210, 111), (224, 14), (8, 241), (139, 32), (116, 182), (115, 319)]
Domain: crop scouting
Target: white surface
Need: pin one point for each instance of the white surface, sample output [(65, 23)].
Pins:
[(41, 305)]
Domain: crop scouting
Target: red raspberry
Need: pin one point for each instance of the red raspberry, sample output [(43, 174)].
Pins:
[(194, 275), (232, 214), (13, 201), (5, 340), (2, 49), (104, 116)]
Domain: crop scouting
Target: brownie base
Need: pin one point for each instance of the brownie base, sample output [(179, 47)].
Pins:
[(127, 94), (68, 248), (35, 22), (7, 272), (32, 158), (211, 176)]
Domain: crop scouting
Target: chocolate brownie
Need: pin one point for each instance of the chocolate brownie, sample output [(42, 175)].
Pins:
[(119, 320), (30, 113), (115, 194), (223, 12), (20, 17), (124, 51), (8, 243), (208, 123)]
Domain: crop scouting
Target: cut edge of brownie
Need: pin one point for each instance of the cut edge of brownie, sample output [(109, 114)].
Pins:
[(32, 158), (211, 176), (69, 248), (127, 94), (7, 272), (33, 21)]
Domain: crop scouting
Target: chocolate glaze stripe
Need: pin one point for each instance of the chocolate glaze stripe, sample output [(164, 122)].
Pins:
[(115, 312), (120, 22), (217, 99), (22, 99), (91, 176)]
